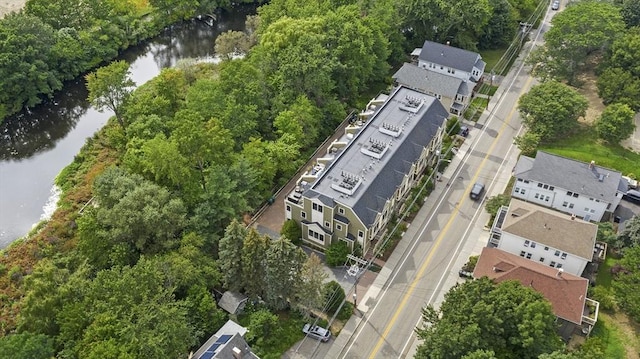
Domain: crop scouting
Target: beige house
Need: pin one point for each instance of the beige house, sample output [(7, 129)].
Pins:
[(543, 235), (351, 193)]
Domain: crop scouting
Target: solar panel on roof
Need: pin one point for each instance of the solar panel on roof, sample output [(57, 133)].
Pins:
[(224, 338), (214, 347), (207, 355)]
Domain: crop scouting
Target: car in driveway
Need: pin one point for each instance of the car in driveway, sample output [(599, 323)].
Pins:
[(555, 5), (632, 196), (316, 332), (476, 191)]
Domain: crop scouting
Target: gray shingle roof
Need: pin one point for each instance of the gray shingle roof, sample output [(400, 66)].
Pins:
[(450, 56), (427, 81), (381, 177), (232, 301), (223, 343), (572, 175)]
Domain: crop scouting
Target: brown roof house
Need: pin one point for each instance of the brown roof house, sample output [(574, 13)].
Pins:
[(545, 236), (566, 292)]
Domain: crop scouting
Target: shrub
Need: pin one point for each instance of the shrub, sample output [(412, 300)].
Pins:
[(471, 264), (292, 230), (603, 295), (337, 253), (334, 295)]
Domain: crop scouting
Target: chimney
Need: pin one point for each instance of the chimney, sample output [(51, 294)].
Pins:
[(237, 353), (573, 216)]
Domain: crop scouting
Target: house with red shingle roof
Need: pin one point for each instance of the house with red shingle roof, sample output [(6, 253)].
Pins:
[(566, 292)]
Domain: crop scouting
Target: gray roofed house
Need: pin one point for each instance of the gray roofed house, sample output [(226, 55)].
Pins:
[(352, 192), (467, 64), (583, 189), (452, 91), (227, 343)]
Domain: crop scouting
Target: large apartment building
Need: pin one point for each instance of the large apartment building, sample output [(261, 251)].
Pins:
[(351, 193)]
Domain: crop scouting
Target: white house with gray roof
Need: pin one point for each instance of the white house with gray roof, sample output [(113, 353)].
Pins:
[(545, 236), (351, 193), (448, 60), (585, 190), (453, 92)]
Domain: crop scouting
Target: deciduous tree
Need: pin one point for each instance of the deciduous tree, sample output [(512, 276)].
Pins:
[(631, 12), (626, 282), (578, 31), (231, 43), (26, 70), (551, 109), (26, 346), (617, 85), (511, 320), (110, 87), (126, 312), (615, 123)]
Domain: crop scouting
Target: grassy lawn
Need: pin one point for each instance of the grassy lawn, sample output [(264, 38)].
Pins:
[(584, 145), (491, 57), (475, 109), (604, 272), (613, 338)]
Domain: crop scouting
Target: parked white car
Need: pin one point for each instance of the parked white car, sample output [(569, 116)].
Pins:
[(316, 332)]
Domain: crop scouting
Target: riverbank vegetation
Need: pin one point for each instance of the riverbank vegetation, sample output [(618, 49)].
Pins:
[(126, 265), (50, 42)]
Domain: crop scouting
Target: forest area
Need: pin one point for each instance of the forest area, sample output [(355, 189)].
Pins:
[(154, 202)]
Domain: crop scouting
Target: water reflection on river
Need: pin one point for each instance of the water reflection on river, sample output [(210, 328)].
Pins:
[(35, 145)]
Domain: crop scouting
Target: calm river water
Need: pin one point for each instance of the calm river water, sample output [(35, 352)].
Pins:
[(36, 145)]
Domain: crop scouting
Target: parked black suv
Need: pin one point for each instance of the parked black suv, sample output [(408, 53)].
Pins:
[(477, 191)]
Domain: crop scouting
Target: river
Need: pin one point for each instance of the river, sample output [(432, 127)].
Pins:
[(36, 145)]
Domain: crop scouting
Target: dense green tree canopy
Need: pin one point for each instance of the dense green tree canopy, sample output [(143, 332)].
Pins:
[(581, 29), (26, 67), (126, 312), (551, 109), (627, 281), (134, 217), (26, 346), (616, 85), (616, 123), (631, 12), (508, 319)]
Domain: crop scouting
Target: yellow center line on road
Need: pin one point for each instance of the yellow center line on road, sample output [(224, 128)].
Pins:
[(441, 236)]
